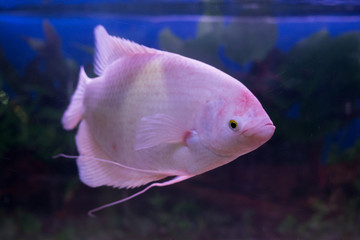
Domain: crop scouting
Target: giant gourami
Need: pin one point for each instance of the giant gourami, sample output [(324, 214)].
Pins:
[(151, 114)]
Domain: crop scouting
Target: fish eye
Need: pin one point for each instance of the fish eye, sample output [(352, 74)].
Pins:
[(233, 125)]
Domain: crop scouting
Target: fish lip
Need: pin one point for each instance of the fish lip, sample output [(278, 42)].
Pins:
[(271, 125), (251, 131)]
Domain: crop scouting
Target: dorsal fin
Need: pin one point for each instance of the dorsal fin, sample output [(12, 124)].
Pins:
[(109, 48)]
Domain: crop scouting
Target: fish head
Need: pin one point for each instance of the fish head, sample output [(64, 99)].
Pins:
[(233, 126)]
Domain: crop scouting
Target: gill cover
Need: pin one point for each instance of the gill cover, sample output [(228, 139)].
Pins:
[(219, 129)]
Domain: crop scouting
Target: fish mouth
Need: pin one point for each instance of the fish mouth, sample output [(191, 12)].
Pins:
[(262, 131), (253, 138)]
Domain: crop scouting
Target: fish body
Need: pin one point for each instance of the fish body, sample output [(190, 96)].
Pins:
[(158, 114)]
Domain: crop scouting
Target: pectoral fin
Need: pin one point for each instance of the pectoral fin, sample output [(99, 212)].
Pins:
[(158, 129)]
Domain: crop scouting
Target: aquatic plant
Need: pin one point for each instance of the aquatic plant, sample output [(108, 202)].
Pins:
[(319, 87), (239, 41), (31, 104)]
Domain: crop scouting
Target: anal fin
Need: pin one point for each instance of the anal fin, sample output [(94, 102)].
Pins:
[(95, 173)]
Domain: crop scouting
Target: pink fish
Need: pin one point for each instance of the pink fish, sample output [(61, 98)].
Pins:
[(151, 114)]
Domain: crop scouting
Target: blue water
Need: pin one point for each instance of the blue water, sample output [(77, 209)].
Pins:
[(145, 30)]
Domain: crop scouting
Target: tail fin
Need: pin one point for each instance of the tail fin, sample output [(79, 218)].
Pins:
[(73, 113)]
